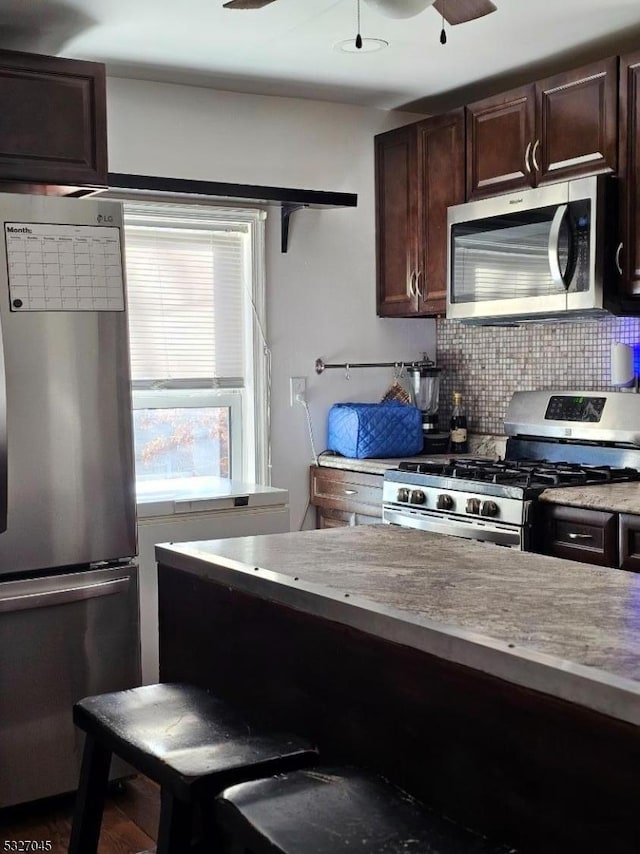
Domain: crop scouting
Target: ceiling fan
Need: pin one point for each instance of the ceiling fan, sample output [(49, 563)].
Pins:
[(453, 11)]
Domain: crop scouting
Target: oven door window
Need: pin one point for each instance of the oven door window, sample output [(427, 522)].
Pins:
[(519, 255)]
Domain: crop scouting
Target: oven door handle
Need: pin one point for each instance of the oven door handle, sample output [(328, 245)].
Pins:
[(457, 527)]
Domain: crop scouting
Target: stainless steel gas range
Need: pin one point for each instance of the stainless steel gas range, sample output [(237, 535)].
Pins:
[(564, 438)]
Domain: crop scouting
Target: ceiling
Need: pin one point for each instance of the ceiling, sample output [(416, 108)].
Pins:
[(288, 48)]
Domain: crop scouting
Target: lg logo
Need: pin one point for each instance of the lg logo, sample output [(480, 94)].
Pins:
[(104, 218)]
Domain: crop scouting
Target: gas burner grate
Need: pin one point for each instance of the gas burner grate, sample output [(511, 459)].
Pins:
[(525, 473)]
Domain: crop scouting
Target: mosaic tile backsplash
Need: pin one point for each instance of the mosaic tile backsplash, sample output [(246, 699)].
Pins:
[(487, 364)]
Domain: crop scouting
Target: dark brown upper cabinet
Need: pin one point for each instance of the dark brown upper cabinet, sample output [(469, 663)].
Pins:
[(396, 220), (559, 128), (419, 173), (500, 133), (52, 122), (628, 249)]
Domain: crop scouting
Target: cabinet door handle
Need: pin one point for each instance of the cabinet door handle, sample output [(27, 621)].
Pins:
[(618, 251), (574, 536), (533, 155), (419, 292), (527, 165), (410, 278), (350, 491)]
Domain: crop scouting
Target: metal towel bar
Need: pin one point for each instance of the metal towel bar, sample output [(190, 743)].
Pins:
[(346, 366)]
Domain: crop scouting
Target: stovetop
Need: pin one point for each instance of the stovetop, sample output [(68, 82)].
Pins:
[(526, 474), (555, 439)]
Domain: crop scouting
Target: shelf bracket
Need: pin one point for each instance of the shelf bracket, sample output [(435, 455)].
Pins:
[(286, 210)]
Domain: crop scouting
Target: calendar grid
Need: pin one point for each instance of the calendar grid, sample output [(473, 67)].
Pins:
[(64, 267)]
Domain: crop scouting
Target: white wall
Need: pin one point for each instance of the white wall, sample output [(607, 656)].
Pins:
[(321, 294)]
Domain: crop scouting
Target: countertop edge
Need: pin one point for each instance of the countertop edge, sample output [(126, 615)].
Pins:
[(588, 687)]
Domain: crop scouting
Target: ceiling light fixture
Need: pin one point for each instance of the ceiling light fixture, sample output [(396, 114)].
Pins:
[(399, 8), (359, 44)]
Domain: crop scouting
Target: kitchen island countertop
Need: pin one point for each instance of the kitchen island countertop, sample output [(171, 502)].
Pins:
[(559, 627)]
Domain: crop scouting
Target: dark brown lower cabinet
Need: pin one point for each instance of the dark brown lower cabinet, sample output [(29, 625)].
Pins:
[(327, 518), (590, 536), (345, 497), (576, 533), (334, 518), (629, 542)]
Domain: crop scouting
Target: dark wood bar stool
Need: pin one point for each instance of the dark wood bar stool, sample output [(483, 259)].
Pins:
[(337, 811), (185, 739)]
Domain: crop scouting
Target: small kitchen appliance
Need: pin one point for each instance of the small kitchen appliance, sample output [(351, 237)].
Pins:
[(564, 438), (424, 378)]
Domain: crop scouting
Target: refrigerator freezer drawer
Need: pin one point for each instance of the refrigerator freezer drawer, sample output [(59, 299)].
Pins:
[(62, 638)]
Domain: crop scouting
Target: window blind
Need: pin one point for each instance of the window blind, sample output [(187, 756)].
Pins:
[(186, 295)]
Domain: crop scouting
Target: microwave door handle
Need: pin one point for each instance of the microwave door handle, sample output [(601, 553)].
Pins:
[(554, 247)]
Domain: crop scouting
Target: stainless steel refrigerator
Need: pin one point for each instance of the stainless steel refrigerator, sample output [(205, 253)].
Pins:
[(69, 613)]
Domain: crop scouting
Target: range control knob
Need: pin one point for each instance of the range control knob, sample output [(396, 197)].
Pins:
[(489, 508), (418, 497), (473, 506), (444, 502), (403, 495)]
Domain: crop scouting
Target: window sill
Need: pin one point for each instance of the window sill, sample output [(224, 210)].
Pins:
[(203, 494)]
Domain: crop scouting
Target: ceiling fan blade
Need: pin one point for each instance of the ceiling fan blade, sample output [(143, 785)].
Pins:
[(247, 4), (461, 11)]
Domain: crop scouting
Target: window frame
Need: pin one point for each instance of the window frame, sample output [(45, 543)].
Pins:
[(251, 450)]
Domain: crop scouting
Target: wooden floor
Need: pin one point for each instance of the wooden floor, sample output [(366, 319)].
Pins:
[(129, 825)]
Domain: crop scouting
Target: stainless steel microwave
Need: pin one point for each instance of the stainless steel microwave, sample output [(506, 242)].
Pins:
[(537, 254)]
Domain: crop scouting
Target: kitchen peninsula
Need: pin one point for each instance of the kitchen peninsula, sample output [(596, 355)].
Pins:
[(501, 687)]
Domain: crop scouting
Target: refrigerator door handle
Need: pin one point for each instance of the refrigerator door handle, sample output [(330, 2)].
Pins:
[(3, 439), (47, 598)]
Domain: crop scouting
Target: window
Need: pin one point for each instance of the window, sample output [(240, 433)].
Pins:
[(198, 357)]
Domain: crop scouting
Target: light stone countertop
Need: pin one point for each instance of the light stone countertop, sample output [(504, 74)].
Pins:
[(481, 445), (371, 466), (560, 627), (612, 497)]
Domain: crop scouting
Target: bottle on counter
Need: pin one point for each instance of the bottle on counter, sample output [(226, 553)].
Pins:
[(458, 442)]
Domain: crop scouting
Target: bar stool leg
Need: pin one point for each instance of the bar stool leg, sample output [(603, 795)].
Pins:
[(212, 838), (174, 832), (89, 806)]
